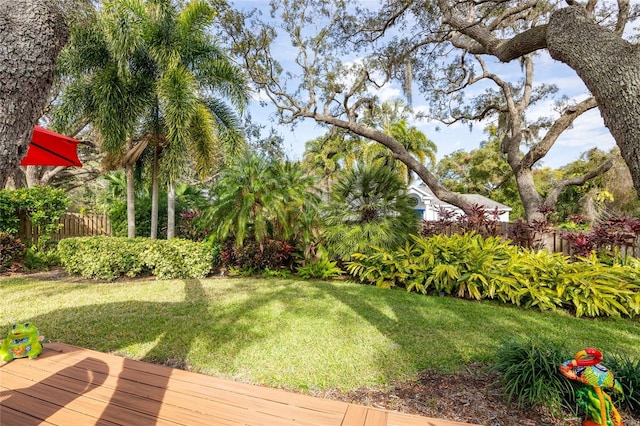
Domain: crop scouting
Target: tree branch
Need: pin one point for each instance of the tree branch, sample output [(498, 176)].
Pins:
[(486, 43), (569, 115), (552, 198)]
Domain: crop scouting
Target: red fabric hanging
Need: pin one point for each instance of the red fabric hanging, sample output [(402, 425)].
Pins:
[(49, 148)]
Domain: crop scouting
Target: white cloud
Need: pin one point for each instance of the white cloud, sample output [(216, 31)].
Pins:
[(588, 132)]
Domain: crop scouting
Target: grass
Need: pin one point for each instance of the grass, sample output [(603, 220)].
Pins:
[(291, 333)]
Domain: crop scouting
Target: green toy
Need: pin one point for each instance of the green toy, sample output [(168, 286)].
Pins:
[(24, 340)]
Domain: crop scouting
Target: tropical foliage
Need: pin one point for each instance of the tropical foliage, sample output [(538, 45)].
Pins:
[(189, 201), (528, 368), (626, 370), (475, 267), (42, 205), (145, 73), (257, 198), (319, 266), (368, 207)]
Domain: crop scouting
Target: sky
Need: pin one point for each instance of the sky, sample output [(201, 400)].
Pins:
[(587, 132)]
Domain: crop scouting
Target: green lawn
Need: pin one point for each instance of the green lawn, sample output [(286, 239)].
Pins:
[(291, 333)]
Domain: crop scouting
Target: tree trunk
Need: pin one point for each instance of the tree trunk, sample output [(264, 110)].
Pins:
[(32, 175), (131, 207), (32, 33), (171, 211), (154, 194), (608, 65), (531, 199)]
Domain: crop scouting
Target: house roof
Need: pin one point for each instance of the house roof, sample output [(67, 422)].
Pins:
[(481, 200)]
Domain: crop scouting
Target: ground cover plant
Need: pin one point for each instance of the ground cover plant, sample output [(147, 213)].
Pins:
[(291, 333), (472, 266)]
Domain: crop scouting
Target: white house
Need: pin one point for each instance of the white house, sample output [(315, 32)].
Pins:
[(427, 205)]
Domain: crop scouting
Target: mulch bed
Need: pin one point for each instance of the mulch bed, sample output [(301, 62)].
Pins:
[(473, 396)]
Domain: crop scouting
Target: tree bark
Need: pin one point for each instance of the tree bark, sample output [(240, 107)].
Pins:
[(155, 191), (171, 211), (609, 67), (32, 33), (131, 207)]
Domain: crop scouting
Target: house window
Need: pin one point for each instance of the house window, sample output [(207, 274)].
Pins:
[(420, 213)]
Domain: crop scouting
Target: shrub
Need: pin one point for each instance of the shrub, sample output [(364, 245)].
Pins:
[(276, 273), (11, 249), (388, 269), (272, 254), (609, 239), (42, 205), (40, 259), (368, 207), (627, 371), (215, 248), (176, 258), (461, 264), (319, 266), (475, 267), (112, 257), (592, 288), (528, 368)]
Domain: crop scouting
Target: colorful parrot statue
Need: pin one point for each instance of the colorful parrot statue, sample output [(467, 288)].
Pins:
[(586, 368)]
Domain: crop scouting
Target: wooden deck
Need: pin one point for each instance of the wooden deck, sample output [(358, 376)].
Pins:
[(71, 386)]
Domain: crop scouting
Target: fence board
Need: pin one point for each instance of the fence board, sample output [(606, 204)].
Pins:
[(73, 225)]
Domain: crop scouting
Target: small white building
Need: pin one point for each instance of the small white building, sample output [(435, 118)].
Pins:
[(428, 206)]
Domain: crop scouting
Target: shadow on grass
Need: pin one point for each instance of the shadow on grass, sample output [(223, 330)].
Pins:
[(419, 332), (454, 332), (166, 330)]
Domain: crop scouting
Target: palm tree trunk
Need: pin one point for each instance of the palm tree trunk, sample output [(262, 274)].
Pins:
[(171, 211), (154, 195), (131, 209)]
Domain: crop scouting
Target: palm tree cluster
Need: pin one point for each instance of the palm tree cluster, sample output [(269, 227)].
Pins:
[(149, 77), (258, 198)]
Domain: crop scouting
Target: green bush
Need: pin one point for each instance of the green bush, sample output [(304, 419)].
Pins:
[(529, 374), (11, 248), (319, 266), (112, 257), (176, 258), (390, 269), (42, 205), (463, 265), (592, 288), (475, 267), (627, 371), (40, 259)]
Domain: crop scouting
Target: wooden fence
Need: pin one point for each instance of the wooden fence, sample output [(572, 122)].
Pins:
[(82, 225), (73, 225), (551, 239)]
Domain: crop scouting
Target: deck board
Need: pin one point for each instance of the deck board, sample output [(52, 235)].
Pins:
[(71, 386)]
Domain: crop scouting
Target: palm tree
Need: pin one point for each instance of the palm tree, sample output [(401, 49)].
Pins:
[(106, 88), (326, 155), (369, 207), (259, 199), (182, 116), (415, 142), (187, 122)]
